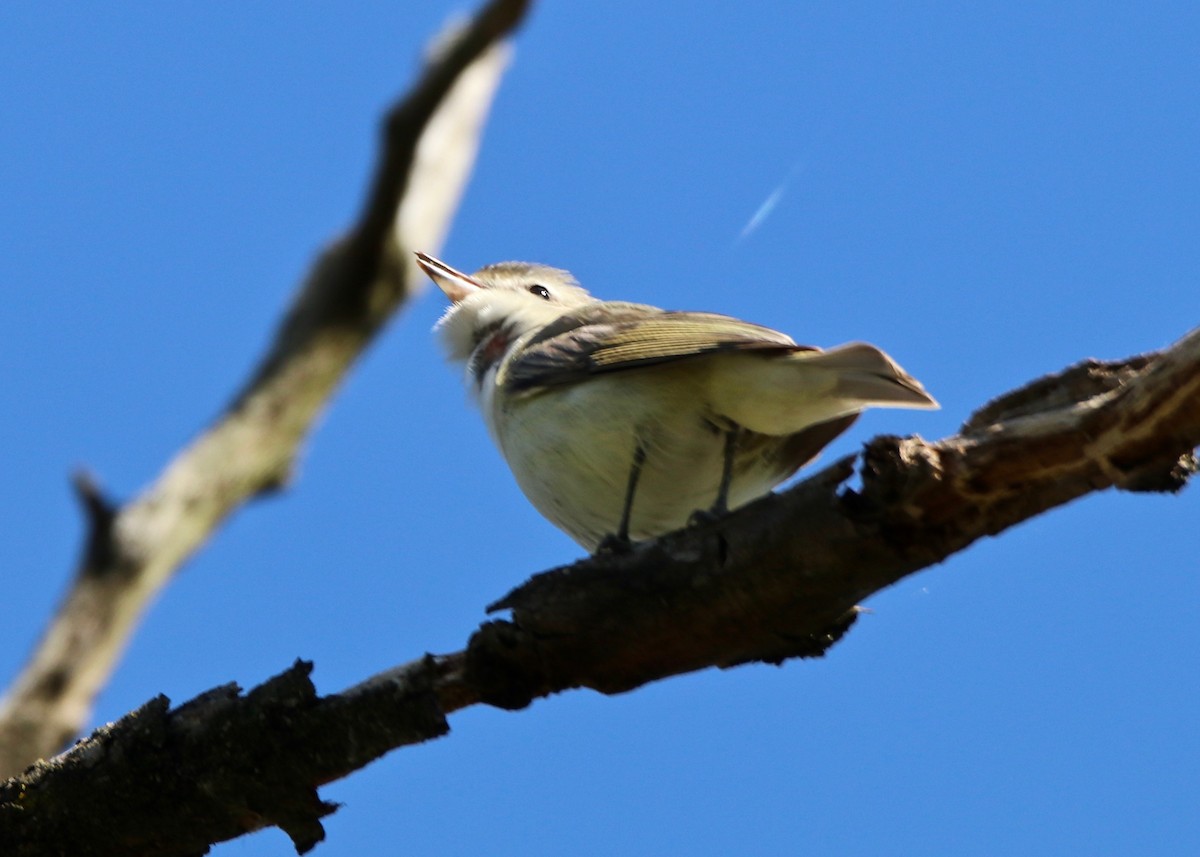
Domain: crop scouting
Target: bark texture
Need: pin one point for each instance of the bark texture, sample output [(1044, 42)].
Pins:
[(777, 579)]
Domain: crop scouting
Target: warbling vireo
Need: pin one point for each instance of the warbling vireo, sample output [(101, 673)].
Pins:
[(621, 420)]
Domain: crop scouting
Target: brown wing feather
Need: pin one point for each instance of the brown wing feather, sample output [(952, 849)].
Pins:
[(613, 337)]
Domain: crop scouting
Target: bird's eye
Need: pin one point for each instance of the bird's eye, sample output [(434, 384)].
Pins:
[(541, 291)]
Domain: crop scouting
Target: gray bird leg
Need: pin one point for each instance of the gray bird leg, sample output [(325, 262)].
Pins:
[(620, 539)]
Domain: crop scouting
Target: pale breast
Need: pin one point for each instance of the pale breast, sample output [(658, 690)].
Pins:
[(572, 451)]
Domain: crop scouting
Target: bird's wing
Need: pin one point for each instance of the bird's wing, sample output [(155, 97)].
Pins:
[(612, 337)]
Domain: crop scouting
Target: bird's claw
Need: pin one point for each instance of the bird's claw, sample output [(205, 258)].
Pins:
[(614, 543), (704, 517)]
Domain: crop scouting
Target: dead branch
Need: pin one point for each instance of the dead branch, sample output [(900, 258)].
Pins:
[(357, 284), (777, 579)]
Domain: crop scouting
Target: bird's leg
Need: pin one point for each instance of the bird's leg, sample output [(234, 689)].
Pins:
[(619, 541), (720, 506)]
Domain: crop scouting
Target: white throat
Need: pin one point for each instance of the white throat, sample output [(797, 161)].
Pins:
[(465, 323)]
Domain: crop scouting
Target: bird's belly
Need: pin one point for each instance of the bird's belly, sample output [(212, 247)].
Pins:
[(572, 451)]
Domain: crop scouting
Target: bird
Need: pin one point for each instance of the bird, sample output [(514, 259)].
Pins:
[(622, 421)]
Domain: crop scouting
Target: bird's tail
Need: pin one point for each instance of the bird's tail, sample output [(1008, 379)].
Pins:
[(865, 374), (781, 395)]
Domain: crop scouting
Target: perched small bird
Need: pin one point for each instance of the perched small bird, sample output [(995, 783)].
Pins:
[(621, 420)]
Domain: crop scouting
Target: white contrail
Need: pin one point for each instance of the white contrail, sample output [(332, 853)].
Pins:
[(768, 206)]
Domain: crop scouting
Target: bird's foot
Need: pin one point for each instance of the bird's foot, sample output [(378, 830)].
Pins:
[(614, 543), (704, 517)]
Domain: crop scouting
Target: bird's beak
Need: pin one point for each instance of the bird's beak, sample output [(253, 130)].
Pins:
[(455, 284)]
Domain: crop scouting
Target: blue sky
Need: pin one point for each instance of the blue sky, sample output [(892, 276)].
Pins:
[(988, 192)]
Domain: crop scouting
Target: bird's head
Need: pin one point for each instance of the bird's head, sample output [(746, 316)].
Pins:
[(499, 303)]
